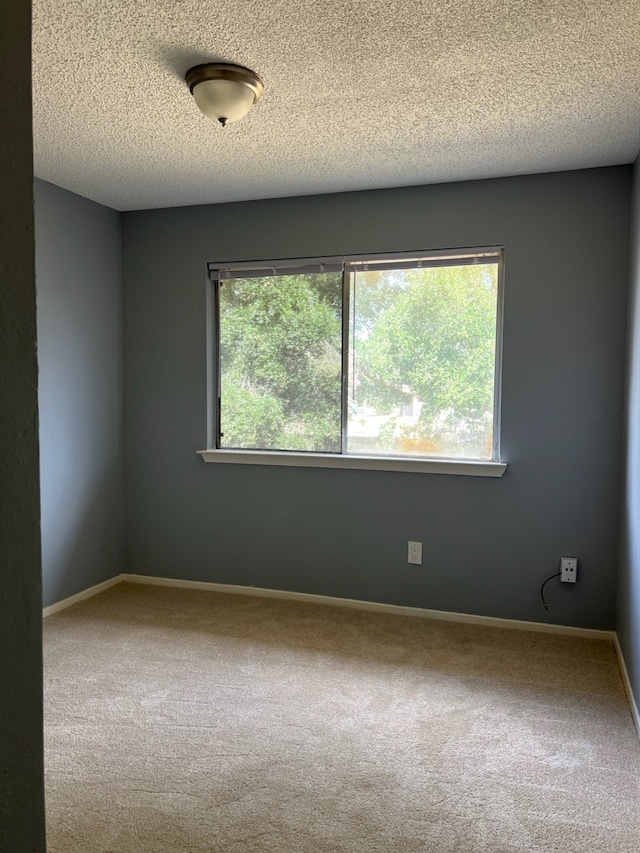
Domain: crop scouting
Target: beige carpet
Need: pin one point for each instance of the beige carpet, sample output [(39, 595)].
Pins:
[(191, 721)]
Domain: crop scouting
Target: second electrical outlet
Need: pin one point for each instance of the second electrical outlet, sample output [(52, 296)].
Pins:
[(415, 553), (568, 569)]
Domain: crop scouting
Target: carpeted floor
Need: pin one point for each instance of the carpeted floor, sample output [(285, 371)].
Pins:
[(190, 721)]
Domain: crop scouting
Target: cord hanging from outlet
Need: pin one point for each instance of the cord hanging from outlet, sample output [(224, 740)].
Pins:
[(550, 578), (568, 574)]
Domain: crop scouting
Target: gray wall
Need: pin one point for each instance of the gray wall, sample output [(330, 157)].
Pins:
[(488, 544), (21, 780), (629, 572), (79, 287)]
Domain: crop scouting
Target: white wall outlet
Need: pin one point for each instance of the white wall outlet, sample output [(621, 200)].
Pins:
[(415, 553), (568, 569)]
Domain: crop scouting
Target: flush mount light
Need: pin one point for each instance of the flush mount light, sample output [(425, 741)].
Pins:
[(224, 92)]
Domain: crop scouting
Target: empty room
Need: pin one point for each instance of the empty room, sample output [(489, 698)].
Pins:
[(321, 427)]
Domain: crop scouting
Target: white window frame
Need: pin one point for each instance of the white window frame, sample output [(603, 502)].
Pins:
[(348, 263)]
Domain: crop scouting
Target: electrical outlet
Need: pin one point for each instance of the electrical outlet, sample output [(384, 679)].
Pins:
[(568, 569), (415, 553)]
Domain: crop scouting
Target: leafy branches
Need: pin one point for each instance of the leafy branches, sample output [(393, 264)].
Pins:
[(421, 341), (280, 341)]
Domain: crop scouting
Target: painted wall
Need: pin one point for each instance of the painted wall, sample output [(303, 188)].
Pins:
[(79, 287), (21, 776), (488, 544), (629, 573)]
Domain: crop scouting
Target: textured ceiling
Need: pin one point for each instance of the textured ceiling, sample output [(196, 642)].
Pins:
[(359, 94)]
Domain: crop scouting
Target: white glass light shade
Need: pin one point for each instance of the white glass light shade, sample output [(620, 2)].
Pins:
[(224, 92), (225, 101)]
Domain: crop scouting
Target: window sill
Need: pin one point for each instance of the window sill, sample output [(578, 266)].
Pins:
[(463, 467)]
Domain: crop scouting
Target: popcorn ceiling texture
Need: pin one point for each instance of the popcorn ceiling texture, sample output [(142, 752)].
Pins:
[(359, 94)]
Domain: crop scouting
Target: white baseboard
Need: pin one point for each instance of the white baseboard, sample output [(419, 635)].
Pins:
[(375, 606), (627, 684), (80, 596)]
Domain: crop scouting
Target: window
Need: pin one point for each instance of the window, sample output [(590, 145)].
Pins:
[(393, 356)]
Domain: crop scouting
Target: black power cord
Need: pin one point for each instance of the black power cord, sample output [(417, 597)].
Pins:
[(550, 578)]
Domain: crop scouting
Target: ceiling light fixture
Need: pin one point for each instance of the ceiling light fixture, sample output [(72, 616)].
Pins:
[(224, 92)]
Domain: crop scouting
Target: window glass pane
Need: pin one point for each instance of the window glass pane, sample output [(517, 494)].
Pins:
[(280, 362), (422, 361)]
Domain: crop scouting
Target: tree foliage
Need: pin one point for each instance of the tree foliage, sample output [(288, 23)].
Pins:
[(419, 336), (435, 342), (432, 343), (280, 354)]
